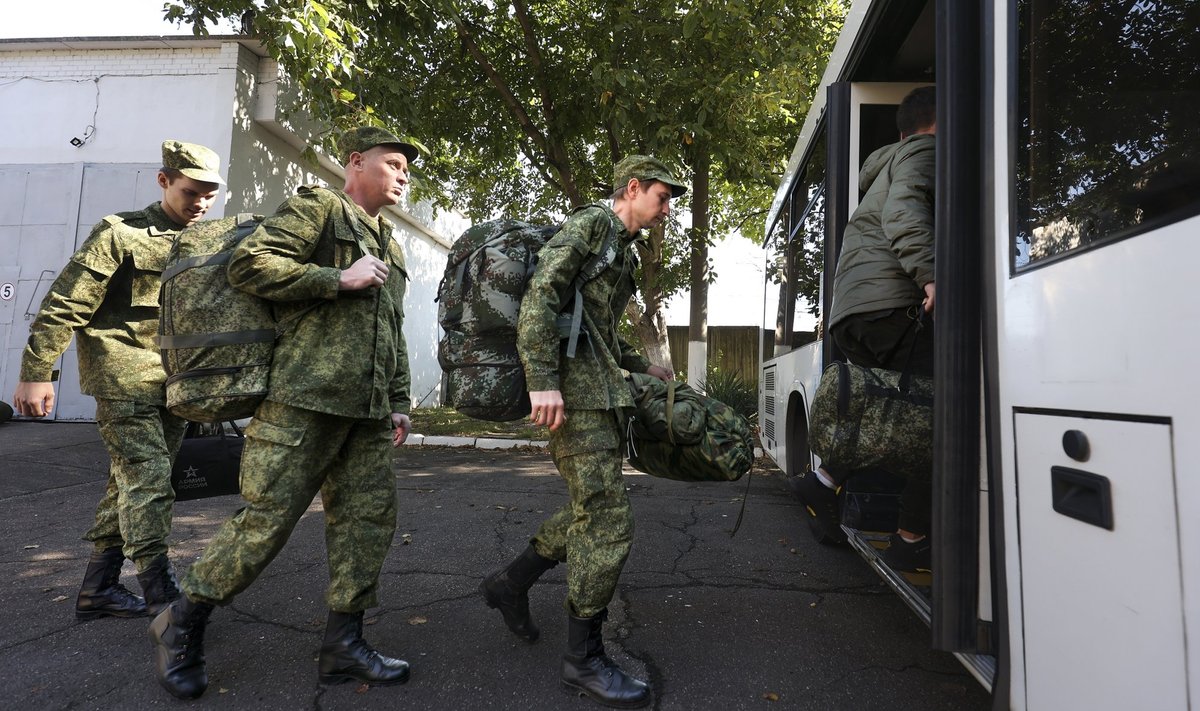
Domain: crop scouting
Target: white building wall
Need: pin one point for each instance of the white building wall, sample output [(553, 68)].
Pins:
[(133, 94), (134, 98)]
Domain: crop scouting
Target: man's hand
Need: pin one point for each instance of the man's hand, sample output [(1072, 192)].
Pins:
[(403, 426), (660, 372), (928, 302), (367, 272), (34, 399), (548, 408)]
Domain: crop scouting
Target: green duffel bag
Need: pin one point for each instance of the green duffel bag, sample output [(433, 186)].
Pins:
[(678, 433), (864, 418)]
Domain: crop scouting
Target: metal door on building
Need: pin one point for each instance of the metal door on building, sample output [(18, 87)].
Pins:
[(46, 212)]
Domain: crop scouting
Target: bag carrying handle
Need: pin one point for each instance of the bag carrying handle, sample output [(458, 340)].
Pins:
[(914, 326)]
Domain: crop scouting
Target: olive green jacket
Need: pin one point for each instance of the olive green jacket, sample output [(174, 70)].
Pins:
[(887, 249), (107, 297), (345, 354), (592, 379)]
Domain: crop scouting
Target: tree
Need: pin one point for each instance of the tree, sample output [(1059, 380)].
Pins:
[(525, 106)]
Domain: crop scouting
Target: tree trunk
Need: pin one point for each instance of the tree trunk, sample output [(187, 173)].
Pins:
[(649, 323), (698, 321)]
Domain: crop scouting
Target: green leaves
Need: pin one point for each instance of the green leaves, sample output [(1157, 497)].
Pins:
[(525, 106)]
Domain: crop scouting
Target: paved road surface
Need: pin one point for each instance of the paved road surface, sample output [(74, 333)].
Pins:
[(765, 620)]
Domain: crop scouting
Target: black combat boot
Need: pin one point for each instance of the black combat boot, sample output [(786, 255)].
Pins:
[(102, 592), (507, 590), (587, 670), (178, 637), (159, 585), (346, 656)]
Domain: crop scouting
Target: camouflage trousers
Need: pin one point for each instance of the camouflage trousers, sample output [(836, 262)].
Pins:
[(594, 531), (135, 513), (290, 455)]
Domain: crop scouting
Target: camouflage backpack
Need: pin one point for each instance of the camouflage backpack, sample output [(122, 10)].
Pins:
[(216, 341), (871, 417), (677, 433), (479, 300)]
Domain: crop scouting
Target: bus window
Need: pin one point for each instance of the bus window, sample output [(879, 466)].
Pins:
[(795, 264), (1108, 142)]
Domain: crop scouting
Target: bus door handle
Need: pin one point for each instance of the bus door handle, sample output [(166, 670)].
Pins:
[(1082, 495)]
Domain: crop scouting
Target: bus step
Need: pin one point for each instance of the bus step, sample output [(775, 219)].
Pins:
[(913, 588)]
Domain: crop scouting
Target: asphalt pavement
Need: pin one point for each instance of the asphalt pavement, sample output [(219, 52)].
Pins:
[(767, 619)]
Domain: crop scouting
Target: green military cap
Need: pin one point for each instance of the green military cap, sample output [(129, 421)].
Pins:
[(646, 168), (364, 138), (193, 161)]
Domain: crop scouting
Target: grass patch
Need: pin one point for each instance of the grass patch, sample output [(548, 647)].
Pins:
[(448, 422)]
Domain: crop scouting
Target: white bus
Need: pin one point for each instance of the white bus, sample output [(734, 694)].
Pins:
[(1066, 525)]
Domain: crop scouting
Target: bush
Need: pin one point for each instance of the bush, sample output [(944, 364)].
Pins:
[(731, 388)]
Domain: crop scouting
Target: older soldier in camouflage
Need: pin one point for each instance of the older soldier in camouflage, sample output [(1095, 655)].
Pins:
[(107, 298), (337, 404), (581, 399)]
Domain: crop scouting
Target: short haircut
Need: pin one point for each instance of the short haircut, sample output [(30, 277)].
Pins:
[(172, 174), (621, 189), (918, 110)]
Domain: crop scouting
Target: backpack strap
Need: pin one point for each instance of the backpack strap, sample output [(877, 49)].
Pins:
[(353, 223), (593, 268), (672, 385)]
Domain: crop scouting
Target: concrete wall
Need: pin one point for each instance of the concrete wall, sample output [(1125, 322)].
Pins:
[(122, 98)]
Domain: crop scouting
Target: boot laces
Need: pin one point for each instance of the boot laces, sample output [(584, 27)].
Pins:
[(191, 633)]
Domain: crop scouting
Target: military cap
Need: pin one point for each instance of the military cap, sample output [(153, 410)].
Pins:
[(364, 138), (646, 168), (193, 161)]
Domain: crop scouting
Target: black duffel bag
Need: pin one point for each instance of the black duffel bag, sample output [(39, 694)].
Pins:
[(209, 461)]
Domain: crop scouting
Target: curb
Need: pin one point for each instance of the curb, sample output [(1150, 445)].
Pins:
[(417, 440)]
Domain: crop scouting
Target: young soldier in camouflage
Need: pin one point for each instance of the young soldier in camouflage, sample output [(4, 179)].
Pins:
[(580, 399), (107, 297), (338, 402)]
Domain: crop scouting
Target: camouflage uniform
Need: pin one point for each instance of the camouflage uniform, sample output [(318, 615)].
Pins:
[(326, 425), (594, 531), (107, 297)]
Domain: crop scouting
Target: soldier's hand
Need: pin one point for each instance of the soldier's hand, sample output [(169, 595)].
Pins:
[(547, 409), (402, 426), (927, 302), (367, 272), (34, 399), (660, 372)]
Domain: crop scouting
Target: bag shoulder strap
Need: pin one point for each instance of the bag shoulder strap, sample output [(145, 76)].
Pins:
[(352, 222), (593, 268)]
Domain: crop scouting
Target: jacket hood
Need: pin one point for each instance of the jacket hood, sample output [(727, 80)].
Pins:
[(878, 160)]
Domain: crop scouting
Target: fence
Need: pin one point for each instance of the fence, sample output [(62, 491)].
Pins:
[(729, 348)]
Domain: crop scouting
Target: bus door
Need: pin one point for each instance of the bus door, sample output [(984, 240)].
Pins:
[(1095, 346), (862, 119)]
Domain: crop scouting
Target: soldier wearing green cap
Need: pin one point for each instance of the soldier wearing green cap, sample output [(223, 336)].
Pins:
[(337, 404), (107, 298), (581, 400)]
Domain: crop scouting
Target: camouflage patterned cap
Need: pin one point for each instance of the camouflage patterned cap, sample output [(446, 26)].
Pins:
[(364, 138), (646, 168), (193, 161)]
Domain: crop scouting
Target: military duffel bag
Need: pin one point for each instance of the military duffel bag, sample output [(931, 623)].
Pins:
[(678, 433), (865, 418)]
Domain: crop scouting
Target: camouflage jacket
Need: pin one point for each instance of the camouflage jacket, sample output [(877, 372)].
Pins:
[(107, 297), (347, 356), (592, 379)]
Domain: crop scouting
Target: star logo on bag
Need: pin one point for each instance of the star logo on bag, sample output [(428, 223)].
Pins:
[(190, 472)]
